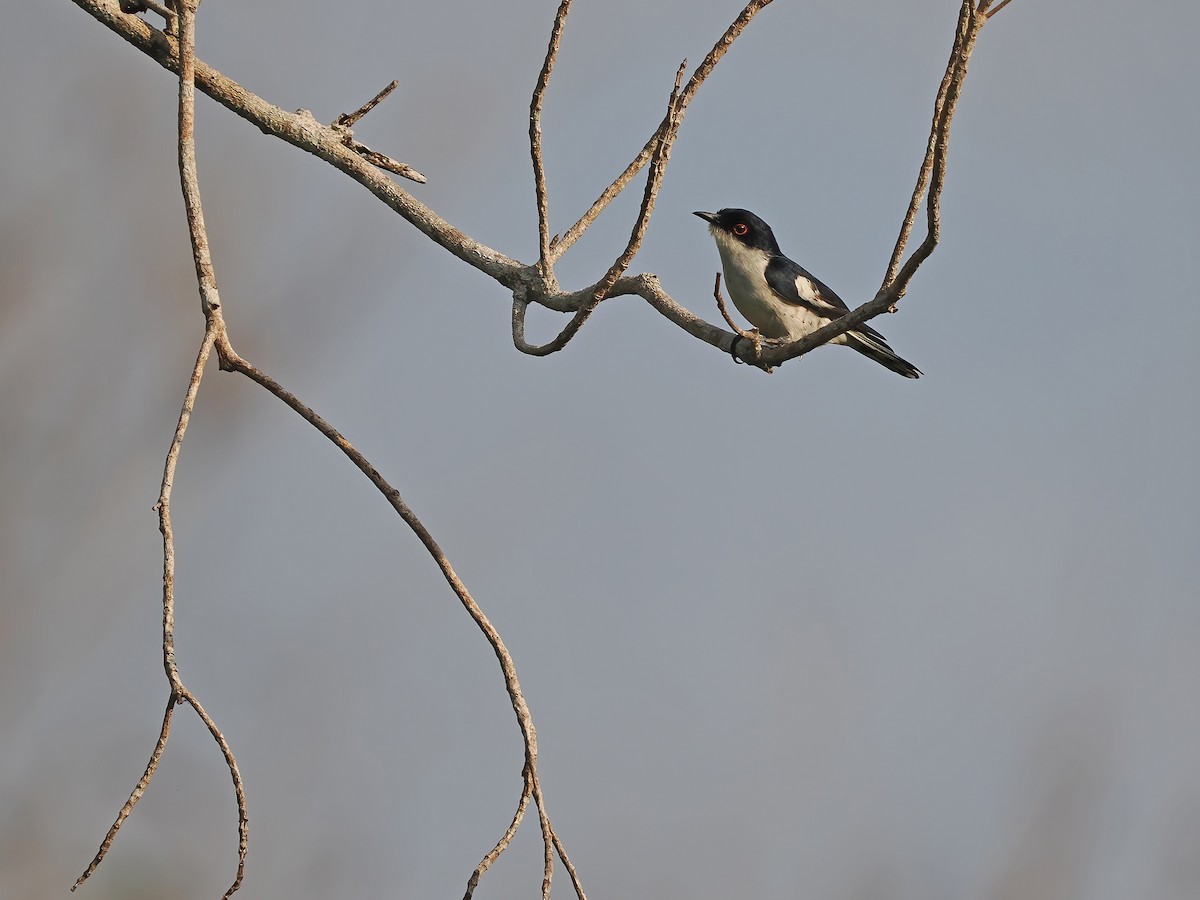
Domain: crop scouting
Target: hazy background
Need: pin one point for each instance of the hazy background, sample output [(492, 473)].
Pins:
[(824, 634)]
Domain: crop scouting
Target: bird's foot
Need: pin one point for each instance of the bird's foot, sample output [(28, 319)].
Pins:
[(756, 340)]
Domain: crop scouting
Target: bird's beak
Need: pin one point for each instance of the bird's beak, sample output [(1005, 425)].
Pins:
[(706, 216)]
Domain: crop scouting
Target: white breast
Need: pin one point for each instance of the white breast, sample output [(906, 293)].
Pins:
[(746, 281)]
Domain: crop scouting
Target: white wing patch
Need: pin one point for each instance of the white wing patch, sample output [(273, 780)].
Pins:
[(810, 294), (807, 290)]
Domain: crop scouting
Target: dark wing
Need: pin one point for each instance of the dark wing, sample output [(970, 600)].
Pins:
[(794, 284)]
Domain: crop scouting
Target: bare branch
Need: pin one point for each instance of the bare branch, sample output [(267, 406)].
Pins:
[(135, 796), (918, 193), (985, 7), (658, 168), (535, 139), (724, 312), (188, 177), (383, 161), (754, 337), (342, 124), (238, 789), (216, 336), (562, 854), (505, 840), (302, 130), (547, 833), (347, 120), (232, 362), (138, 6), (214, 331), (164, 514), (933, 173), (619, 184), (526, 282), (969, 26), (178, 691), (214, 328), (335, 144)]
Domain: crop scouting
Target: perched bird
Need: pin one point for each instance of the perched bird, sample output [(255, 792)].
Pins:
[(779, 297)]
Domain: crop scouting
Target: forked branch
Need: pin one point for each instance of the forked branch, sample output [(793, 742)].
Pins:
[(216, 336), (532, 284), (930, 181), (610, 193), (214, 330), (231, 361), (345, 122), (302, 130), (173, 48), (601, 290)]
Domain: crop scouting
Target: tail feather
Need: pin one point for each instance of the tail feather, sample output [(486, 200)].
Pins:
[(874, 347)]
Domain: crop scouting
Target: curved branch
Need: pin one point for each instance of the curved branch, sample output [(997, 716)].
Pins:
[(302, 130), (658, 169), (610, 193), (527, 282), (505, 840), (970, 23), (231, 361), (914, 203), (933, 173), (138, 790), (535, 138)]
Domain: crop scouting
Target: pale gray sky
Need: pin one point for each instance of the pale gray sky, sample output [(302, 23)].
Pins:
[(828, 633)]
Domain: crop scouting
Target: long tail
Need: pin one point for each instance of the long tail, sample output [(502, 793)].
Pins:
[(870, 343)]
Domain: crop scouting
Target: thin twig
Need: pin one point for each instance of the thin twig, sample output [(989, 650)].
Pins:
[(914, 203), (970, 23), (658, 168), (178, 691), (214, 332), (619, 184), (347, 120), (214, 329), (754, 337), (547, 831), (239, 789), (133, 7), (562, 854), (383, 161), (135, 796), (343, 126), (725, 312), (969, 26), (163, 506), (188, 177), (535, 138), (505, 840)]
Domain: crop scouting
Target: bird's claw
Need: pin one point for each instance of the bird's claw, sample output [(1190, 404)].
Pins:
[(733, 350), (756, 339)]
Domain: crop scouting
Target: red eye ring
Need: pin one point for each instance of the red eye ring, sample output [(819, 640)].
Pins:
[(740, 229)]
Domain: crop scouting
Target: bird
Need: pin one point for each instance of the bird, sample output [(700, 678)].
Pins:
[(780, 298)]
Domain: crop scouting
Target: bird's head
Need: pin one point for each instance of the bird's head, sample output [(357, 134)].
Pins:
[(740, 226)]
